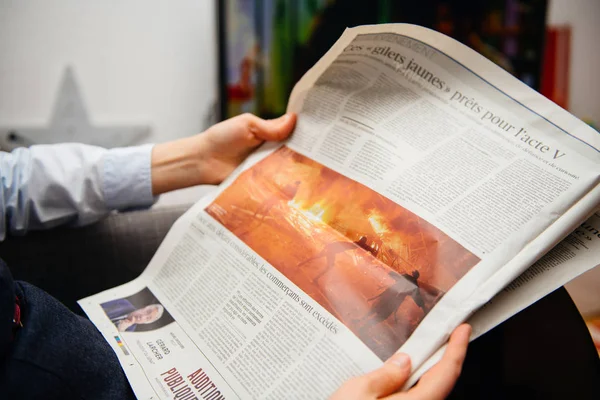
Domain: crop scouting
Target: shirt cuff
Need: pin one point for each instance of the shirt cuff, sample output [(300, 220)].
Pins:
[(127, 177)]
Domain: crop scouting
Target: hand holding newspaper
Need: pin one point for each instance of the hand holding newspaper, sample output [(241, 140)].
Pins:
[(420, 181)]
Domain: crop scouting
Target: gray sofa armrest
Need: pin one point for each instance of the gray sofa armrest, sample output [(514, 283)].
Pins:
[(72, 263)]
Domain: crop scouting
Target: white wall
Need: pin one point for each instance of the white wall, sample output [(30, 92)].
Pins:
[(584, 18), (136, 61), (154, 61)]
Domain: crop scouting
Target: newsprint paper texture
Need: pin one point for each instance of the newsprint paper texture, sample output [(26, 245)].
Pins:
[(423, 186)]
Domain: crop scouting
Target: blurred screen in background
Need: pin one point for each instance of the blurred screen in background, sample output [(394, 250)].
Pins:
[(265, 46)]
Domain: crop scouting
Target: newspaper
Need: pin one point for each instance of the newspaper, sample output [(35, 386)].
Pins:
[(420, 181), (577, 253)]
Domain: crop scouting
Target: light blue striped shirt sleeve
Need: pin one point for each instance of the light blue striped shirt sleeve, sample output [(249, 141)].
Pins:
[(49, 185)]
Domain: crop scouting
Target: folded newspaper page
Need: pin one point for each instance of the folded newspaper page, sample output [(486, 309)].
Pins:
[(420, 180), (577, 253)]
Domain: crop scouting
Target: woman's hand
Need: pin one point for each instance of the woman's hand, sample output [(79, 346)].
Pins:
[(211, 156), (383, 383)]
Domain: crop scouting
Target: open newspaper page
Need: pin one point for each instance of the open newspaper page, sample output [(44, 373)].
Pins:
[(420, 180), (490, 174)]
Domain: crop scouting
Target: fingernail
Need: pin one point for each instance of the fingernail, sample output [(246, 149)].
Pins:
[(402, 360), (470, 330)]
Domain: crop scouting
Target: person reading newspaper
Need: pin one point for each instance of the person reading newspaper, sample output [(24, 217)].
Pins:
[(48, 352), (421, 180)]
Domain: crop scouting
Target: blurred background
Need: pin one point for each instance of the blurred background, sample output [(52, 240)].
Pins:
[(121, 72), (174, 68), (270, 44)]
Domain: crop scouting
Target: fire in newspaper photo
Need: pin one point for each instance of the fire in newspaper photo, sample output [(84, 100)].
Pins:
[(374, 265), (139, 312)]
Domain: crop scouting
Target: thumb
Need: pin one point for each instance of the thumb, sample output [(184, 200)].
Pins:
[(390, 377), (274, 129)]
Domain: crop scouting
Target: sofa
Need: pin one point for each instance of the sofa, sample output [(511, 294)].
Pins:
[(543, 352)]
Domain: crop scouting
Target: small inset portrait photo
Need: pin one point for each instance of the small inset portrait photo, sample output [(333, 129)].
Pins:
[(137, 313)]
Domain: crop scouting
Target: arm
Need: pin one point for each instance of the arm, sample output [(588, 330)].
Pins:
[(46, 186), (49, 185), (416, 295), (210, 157)]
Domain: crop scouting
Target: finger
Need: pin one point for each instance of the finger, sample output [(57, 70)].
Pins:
[(390, 377), (440, 379), (273, 129)]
